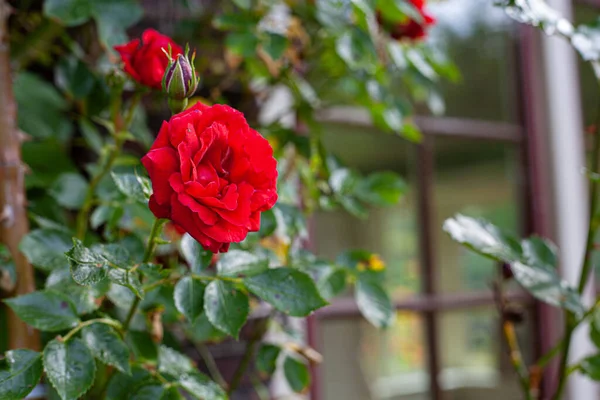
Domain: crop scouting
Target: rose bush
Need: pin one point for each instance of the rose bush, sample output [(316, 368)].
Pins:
[(146, 59), (411, 27), (128, 306), (212, 175)]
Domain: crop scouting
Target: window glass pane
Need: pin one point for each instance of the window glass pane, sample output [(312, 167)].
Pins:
[(392, 232), (480, 40), (473, 356), (388, 364), (479, 179)]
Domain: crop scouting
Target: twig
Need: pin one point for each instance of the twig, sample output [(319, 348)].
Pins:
[(150, 247), (259, 332), (106, 321), (210, 363), (119, 126), (514, 351)]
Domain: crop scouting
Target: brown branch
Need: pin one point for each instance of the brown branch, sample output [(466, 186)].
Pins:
[(13, 216), (512, 343)]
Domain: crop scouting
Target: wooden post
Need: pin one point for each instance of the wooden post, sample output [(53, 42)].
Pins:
[(13, 216)]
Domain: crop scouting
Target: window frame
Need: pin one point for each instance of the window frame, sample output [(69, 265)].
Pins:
[(527, 136)]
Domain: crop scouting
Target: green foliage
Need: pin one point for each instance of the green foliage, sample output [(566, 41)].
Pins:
[(112, 17), (107, 346), (197, 258), (45, 248), (114, 294), (120, 385), (590, 366), (42, 110), (20, 371), (288, 290), (133, 186), (189, 297), (69, 190), (266, 359), (296, 374), (226, 307), (185, 375), (70, 367), (533, 261), (373, 302), (46, 310), (238, 263)]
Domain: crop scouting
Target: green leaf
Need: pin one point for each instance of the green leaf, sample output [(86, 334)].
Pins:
[(484, 238), (115, 255), (45, 310), (242, 43), (189, 297), (70, 367), (545, 284), (373, 302), (83, 297), (42, 110), (203, 331), (332, 283), (343, 181), (381, 188), (226, 307), (45, 248), (590, 366), (69, 190), (356, 48), (68, 12), (533, 261), (20, 371), (106, 345), (274, 45), (142, 346), (268, 223), (91, 135), (129, 279), (132, 186), (87, 266), (539, 252), (266, 359), (296, 373), (148, 391), (173, 363), (113, 17), (201, 387), (197, 258), (74, 77), (239, 263), (245, 4), (119, 386), (288, 290), (172, 393)]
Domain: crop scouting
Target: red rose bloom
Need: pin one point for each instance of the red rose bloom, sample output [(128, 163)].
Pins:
[(409, 29), (212, 175), (145, 61)]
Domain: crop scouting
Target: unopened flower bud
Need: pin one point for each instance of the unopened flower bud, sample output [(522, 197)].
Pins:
[(180, 80)]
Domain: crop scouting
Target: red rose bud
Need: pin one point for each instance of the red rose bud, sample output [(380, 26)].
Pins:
[(145, 59), (180, 80)]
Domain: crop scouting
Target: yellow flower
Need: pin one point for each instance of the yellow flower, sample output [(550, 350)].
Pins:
[(374, 263)]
